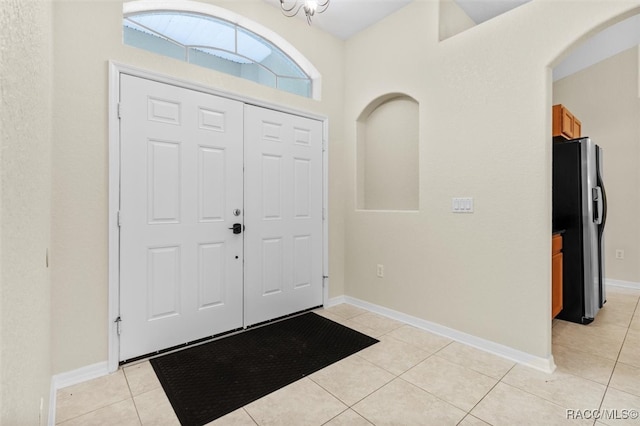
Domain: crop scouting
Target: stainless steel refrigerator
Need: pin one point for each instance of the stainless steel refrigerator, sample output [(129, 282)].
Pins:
[(580, 210)]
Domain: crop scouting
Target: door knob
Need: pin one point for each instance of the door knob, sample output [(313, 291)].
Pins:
[(237, 228)]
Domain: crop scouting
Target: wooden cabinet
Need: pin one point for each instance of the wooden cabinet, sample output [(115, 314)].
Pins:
[(565, 124), (556, 275)]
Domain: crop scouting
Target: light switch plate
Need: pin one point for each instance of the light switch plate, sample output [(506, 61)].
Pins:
[(462, 205)]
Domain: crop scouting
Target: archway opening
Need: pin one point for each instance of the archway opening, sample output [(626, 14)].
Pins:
[(597, 79)]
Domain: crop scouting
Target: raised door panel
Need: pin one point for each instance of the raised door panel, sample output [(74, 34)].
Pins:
[(302, 260), (271, 273), (163, 282), (302, 188), (211, 274), (212, 191), (163, 181), (272, 181)]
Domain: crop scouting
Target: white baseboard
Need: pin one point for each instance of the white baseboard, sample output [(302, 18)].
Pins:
[(623, 284), (334, 301), (70, 378), (546, 365)]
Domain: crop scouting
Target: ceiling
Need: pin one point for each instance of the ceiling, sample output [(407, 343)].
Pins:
[(344, 18)]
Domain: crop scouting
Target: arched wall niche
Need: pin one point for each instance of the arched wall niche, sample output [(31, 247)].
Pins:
[(387, 157)]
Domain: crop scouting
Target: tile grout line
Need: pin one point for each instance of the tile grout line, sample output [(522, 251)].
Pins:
[(615, 365), (435, 353), (396, 376), (615, 361), (337, 415), (248, 414), (485, 395), (350, 406), (439, 398), (94, 410), (126, 378), (534, 395), (587, 378)]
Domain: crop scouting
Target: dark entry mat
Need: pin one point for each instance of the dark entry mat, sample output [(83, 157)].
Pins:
[(210, 380)]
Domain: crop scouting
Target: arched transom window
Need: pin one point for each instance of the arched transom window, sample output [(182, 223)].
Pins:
[(220, 44)]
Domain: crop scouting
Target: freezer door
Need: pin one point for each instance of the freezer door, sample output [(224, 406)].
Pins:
[(601, 223), (591, 246)]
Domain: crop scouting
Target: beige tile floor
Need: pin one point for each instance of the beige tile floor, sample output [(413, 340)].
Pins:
[(412, 377)]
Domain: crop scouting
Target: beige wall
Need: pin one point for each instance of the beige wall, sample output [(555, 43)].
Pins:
[(87, 35), (452, 19), (605, 98), (485, 97), (25, 197)]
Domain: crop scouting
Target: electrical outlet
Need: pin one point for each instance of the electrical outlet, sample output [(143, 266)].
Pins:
[(380, 271), (619, 254)]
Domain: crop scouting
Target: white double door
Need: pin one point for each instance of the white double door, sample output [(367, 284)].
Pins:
[(192, 165)]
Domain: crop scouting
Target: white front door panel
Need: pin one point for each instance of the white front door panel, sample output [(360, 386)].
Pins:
[(184, 274), (181, 180), (283, 214)]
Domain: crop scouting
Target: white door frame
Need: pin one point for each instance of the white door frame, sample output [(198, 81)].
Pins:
[(115, 69)]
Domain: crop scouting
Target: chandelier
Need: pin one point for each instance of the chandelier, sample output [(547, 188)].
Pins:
[(310, 7)]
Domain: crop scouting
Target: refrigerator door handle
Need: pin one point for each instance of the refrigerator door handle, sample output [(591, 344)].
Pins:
[(599, 205), (603, 201)]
